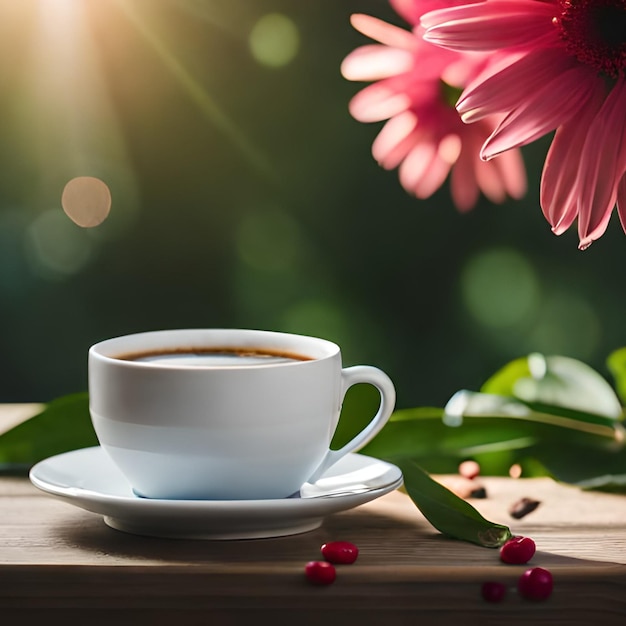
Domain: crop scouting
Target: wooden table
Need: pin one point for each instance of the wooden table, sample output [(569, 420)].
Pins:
[(58, 562)]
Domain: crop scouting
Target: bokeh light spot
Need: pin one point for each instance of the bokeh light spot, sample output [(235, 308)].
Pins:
[(86, 201), (274, 40), (500, 288), (56, 247)]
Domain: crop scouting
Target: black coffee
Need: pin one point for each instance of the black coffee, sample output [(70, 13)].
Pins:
[(214, 357)]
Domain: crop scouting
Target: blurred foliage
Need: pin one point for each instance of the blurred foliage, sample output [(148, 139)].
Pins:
[(62, 425), (551, 416)]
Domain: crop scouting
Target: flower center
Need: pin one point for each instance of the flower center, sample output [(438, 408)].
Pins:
[(594, 32)]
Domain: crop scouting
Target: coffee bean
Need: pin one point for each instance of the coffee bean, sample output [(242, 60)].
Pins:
[(480, 493), (523, 507)]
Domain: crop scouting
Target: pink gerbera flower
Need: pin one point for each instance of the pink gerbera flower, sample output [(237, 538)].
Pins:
[(416, 87), (567, 72)]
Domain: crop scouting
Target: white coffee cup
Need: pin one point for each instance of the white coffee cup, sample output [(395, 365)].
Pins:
[(224, 414)]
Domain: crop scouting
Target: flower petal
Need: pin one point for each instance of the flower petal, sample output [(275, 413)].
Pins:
[(417, 163), (488, 178), (377, 102), (558, 195), (395, 140), (374, 62), (500, 93), (541, 112), (603, 163), (464, 68), (621, 201), (512, 173), (463, 185), (596, 233), (435, 175), (412, 10), (383, 32), (491, 25)]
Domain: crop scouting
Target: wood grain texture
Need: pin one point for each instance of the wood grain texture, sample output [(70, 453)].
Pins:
[(58, 562)]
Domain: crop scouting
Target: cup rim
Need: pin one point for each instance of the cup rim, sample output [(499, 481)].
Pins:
[(116, 350)]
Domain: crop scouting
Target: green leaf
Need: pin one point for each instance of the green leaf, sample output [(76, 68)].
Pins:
[(506, 433), (421, 434), (64, 424), (503, 382), (584, 466), (448, 513), (559, 381), (572, 446), (418, 413), (582, 448), (466, 403), (616, 362)]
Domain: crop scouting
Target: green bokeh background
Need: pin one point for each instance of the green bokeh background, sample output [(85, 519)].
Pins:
[(245, 195)]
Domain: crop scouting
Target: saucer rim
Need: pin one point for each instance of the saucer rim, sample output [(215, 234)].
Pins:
[(73, 493), (211, 519)]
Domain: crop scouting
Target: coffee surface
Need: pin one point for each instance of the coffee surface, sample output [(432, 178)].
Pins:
[(214, 357)]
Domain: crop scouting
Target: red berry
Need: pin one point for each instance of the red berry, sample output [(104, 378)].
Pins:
[(320, 572), (493, 591), (342, 552), (535, 584), (517, 550)]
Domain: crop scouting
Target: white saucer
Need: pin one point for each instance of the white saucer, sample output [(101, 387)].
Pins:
[(88, 479)]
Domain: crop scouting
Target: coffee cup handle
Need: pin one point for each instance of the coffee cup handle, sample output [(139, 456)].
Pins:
[(351, 376)]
